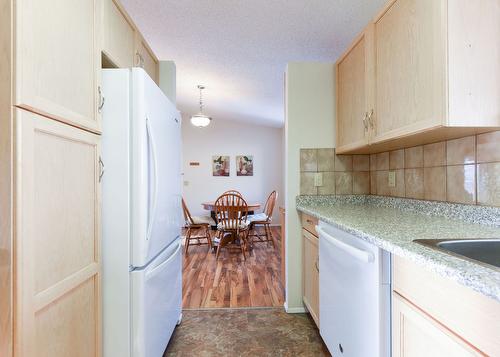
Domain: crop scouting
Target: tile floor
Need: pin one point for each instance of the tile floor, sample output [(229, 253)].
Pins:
[(245, 332)]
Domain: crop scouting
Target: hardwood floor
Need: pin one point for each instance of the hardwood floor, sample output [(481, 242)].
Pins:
[(232, 281)]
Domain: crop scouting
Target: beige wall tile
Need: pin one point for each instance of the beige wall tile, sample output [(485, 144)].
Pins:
[(414, 157), (343, 183), (382, 186), (373, 183), (435, 154), (343, 162), (328, 187), (307, 184), (488, 147), (308, 160), (373, 162), (488, 184), (461, 184), (461, 151), (383, 161), (435, 183), (361, 162), (399, 190), (326, 159), (397, 159), (414, 183), (361, 183)]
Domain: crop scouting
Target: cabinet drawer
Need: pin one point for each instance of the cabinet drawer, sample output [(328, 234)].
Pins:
[(309, 223), (471, 315)]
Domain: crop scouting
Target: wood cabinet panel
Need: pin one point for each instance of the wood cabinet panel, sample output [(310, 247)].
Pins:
[(118, 35), (410, 54), (145, 58), (416, 334), (311, 274), (58, 59), (474, 62), (469, 314), (57, 238), (309, 223), (352, 109)]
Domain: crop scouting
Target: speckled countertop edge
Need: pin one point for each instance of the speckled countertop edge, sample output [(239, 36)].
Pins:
[(475, 276)]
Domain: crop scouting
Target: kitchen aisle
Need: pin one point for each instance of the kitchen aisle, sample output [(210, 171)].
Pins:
[(246, 332), (231, 281)]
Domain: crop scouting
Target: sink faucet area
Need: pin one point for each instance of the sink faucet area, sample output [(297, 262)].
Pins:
[(485, 251)]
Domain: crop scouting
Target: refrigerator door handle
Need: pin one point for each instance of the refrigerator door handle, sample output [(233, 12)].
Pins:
[(152, 196), (157, 268)]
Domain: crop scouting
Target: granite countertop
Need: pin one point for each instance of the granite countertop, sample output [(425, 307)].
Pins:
[(392, 224)]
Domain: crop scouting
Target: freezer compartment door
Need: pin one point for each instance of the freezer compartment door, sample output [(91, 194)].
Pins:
[(156, 302), (156, 170)]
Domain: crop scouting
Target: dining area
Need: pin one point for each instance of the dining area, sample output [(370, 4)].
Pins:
[(232, 255)]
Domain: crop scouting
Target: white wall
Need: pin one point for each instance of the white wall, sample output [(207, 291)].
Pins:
[(310, 118), (231, 138)]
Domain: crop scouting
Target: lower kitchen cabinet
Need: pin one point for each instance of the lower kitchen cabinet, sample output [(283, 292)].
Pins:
[(57, 249), (311, 274), (436, 316), (416, 334)]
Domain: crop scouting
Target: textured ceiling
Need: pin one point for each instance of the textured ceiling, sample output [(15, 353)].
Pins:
[(239, 49)]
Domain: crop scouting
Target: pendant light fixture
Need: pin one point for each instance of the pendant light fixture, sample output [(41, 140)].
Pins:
[(200, 120)]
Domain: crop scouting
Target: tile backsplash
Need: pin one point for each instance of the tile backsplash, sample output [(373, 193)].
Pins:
[(341, 174), (465, 170)]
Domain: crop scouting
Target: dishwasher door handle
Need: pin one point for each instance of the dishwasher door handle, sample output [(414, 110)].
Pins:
[(359, 254)]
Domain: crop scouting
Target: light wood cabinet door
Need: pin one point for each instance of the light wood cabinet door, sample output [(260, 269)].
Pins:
[(414, 334), (145, 58), (354, 95), (410, 54), (311, 274), (118, 35), (57, 244), (58, 59)]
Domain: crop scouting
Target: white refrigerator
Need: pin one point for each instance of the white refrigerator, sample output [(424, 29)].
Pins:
[(141, 215)]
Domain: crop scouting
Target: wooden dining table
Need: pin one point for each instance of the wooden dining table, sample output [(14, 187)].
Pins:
[(210, 206)]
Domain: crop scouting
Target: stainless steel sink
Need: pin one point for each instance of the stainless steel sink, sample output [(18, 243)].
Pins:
[(486, 251)]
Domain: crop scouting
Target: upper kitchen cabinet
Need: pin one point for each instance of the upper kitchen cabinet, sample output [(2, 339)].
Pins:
[(354, 87), (58, 60), (145, 57), (435, 75), (118, 35), (410, 55)]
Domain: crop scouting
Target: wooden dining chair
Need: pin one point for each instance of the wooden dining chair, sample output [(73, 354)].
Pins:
[(263, 219), (233, 192), (231, 212), (197, 223)]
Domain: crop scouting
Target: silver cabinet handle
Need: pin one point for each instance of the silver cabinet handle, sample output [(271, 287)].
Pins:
[(370, 119), (140, 59), (365, 121), (101, 99), (101, 169), (317, 266)]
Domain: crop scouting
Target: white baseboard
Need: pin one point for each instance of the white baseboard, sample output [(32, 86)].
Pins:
[(294, 310)]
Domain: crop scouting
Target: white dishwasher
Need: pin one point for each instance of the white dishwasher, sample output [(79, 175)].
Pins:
[(354, 294)]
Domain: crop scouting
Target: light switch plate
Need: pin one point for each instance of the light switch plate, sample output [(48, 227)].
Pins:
[(318, 179), (391, 179)]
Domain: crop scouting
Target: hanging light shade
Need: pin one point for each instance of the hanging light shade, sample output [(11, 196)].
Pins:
[(200, 120)]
